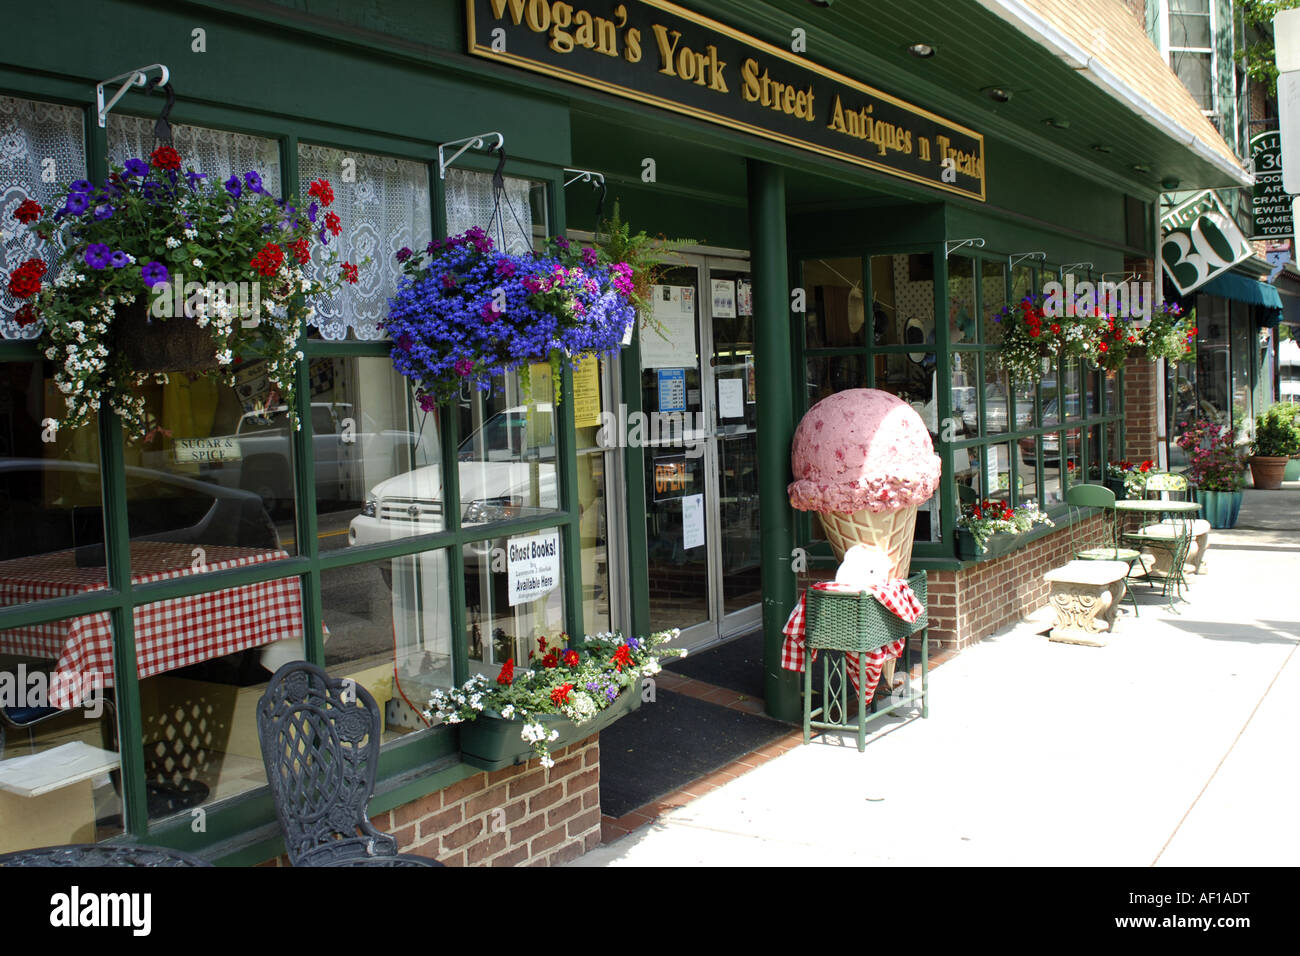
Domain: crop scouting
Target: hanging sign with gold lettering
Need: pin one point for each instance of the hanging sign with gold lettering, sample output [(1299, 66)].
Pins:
[(655, 52)]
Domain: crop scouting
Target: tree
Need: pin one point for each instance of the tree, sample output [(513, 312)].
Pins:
[(1258, 57)]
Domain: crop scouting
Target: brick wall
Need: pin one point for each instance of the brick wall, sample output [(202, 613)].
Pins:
[(520, 816), (970, 604), (1140, 426)]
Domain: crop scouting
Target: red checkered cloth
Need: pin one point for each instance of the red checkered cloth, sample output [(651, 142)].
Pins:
[(168, 634), (895, 595)]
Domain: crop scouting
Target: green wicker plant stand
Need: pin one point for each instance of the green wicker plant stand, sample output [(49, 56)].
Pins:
[(842, 622)]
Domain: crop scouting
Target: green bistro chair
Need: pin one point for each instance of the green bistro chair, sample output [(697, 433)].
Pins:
[(1105, 546), (1171, 535)]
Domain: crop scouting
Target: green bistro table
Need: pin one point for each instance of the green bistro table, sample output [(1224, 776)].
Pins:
[(1179, 544)]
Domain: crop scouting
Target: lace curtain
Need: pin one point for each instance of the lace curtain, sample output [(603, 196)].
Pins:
[(217, 153), (386, 208), (34, 138), (470, 204)]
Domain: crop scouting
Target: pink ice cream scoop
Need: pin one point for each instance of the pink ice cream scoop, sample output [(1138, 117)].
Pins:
[(862, 449)]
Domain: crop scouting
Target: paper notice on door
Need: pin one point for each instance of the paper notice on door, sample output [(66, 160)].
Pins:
[(724, 298), (673, 345), (586, 393), (744, 297), (731, 398), (692, 522)]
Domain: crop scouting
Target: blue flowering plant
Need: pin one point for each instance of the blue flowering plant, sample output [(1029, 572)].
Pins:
[(240, 264), (573, 682), (466, 311)]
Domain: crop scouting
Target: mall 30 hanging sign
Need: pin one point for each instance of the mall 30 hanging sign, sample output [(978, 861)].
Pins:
[(655, 52)]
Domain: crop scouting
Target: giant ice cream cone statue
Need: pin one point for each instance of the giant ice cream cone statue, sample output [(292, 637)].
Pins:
[(863, 460)]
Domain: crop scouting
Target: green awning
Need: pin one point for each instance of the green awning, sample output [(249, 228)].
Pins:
[(1230, 285)]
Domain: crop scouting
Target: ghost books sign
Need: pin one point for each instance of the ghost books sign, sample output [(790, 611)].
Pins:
[(1199, 240), (655, 52)]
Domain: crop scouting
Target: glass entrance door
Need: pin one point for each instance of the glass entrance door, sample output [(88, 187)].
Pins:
[(701, 419)]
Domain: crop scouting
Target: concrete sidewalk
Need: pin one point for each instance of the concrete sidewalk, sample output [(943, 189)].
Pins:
[(1176, 744)]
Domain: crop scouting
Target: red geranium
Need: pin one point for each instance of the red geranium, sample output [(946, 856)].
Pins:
[(268, 261), (29, 210), (302, 251), (333, 223), (1056, 329), (507, 675), (164, 157), (570, 658), (621, 657), (560, 695), (350, 272), (1102, 347), (25, 281), (25, 316), (322, 190), (1146, 465)]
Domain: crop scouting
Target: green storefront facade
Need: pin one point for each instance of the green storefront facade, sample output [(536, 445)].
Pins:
[(807, 217)]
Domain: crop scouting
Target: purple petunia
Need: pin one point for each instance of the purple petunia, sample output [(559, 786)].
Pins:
[(633, 644), (119, 259), (98, 256), (402, 254), (195, 178), (136, 167), (104, 211), (464, 367), (234, 187), (253, 181), (311, 212), (76, 203), (428, 403), (154, 274), (589, 257)]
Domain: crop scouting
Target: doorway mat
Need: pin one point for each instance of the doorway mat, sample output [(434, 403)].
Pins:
[(670, 742), (736, 665)]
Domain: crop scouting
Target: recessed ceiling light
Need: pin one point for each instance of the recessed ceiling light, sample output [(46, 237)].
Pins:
[(998, 94), (922, 50), (1057, 123), (1102, 148), (1169, 182), (1140, 168)]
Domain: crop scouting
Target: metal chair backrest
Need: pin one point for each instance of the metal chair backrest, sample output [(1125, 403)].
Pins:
[(320, 744), (967, 495), (1168, 486), (1082, 496)]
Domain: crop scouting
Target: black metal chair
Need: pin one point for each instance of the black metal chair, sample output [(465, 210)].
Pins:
[(320, 745)]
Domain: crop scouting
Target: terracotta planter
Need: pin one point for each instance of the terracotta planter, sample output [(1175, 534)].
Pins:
[(155, 346), (1220, 507), (492, 743), (1268, 471)]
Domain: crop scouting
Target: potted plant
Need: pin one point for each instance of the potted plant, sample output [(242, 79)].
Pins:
[(159, 270), (1277, 438), (990, 527), (1169, 335), (647, 257), (1216, 468), (1127, 479), (569, 692), (465, 312), (1039, 327)]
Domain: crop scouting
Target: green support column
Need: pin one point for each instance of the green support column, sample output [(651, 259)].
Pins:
[(769, 265)]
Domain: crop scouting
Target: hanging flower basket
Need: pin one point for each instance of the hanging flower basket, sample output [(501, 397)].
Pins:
[(158, 270), (466, 312)]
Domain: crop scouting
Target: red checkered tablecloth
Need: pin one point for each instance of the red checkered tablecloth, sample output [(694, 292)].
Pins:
[(895, 595), (168, 634)]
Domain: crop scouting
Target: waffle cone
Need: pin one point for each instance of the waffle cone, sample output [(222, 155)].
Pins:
[(890, 531)]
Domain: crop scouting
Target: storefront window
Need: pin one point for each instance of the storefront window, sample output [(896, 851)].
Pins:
[(51, 514), (57, 719), (514, 598), (1243, 352), (996, 396), (385, 203), (837, 313), (593, 534), (961, 301), (826, 376), (519, 225), (965, 394), (1096, 459), (34, 135), (388, 627), (1212, 359), (993, 296)]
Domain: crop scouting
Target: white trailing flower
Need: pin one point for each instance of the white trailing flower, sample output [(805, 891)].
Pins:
[(173, 242)]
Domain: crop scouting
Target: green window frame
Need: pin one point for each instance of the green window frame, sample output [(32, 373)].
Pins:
[(243, 826)]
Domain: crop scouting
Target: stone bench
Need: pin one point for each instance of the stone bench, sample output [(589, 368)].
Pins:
[(1195, 563), (1085, 596)]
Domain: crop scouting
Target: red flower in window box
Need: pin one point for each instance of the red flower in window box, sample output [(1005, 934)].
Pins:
[(621, 658), (268, 261), (552, 659), (507, 675), (571, 658), (560, 695)]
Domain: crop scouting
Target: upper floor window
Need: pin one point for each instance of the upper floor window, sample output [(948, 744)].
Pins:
[(1191, 48)]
